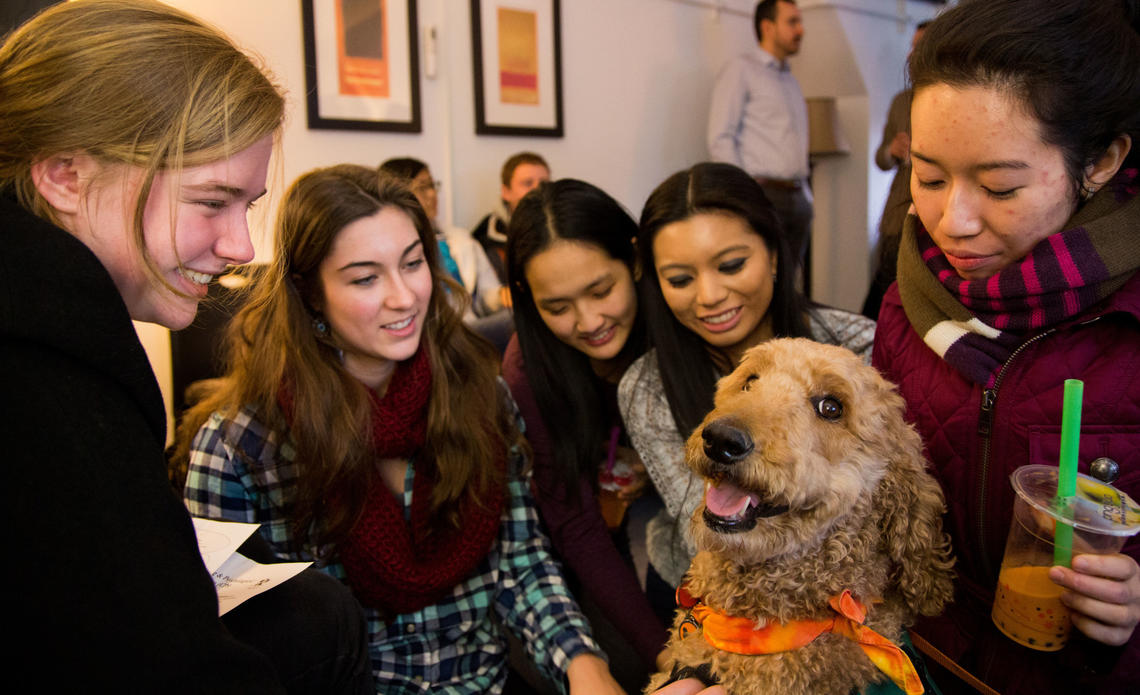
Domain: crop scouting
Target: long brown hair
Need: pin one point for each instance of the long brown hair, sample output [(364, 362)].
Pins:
[(272, 342)]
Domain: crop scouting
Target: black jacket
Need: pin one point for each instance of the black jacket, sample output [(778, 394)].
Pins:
[(109, 590), (496, 250)]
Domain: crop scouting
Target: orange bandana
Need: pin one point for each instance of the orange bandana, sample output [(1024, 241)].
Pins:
[(741, 636)]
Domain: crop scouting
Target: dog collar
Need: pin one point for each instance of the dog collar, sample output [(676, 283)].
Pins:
[(742, 636)]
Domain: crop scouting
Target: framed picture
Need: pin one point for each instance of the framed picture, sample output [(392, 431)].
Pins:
[(517, 54), (362, 64)]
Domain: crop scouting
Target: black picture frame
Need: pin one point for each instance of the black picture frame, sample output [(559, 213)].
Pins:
[(547, 119), (399, 113)]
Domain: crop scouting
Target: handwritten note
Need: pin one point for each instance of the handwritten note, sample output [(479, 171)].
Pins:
[(236, 577)]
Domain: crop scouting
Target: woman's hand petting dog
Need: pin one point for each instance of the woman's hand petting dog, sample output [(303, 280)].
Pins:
[(1104, 595), (588, 674)]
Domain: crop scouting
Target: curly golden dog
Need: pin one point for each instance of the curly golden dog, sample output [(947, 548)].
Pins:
[(816, 499)]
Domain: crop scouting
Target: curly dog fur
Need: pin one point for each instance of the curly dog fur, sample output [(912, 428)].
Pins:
[(838, 498)]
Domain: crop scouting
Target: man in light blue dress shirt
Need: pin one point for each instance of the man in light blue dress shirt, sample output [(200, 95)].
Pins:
[(758, 119)]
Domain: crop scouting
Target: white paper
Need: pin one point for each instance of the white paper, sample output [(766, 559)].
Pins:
[(240, 578), (236, 577), (217, 540)]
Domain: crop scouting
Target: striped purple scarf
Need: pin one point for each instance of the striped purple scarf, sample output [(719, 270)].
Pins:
[(975, 325)]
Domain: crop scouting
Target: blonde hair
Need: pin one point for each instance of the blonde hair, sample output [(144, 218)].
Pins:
[(131, 82)]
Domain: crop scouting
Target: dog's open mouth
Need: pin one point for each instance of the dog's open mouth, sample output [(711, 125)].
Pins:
[(730, 509)]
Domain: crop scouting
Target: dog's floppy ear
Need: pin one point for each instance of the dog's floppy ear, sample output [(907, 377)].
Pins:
[(912, 506)]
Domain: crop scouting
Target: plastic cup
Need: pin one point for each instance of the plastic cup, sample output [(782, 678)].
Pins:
[(1027, 604), (610, 483)]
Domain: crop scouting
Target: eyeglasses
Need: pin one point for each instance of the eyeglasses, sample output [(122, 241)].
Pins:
[(433, 185)]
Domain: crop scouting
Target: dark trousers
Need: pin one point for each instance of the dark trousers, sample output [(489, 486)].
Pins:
[(497, 328), (794, 210), (311, 627), (662, 597)]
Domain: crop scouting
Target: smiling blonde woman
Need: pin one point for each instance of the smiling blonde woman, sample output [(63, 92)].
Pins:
[(133, 139)]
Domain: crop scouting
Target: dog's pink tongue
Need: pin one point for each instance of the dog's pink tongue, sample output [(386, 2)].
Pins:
[(726, 499)]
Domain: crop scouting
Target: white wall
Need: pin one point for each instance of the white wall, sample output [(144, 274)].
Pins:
[(855, 51), (636, 79)]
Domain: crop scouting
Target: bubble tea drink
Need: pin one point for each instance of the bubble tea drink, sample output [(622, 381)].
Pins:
[(610, 483), (1027, 604), (613, 475)]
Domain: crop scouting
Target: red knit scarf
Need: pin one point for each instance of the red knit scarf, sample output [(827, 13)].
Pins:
[(976, 324), (394, 566)]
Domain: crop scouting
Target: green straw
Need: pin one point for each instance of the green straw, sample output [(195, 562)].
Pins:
[(1067, 473)]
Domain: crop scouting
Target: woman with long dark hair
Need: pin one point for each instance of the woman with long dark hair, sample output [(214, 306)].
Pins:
[(571, 264), (716, 282)]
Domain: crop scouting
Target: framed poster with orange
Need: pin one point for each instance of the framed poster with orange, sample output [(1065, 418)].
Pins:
[(361, 64), (517, 59)]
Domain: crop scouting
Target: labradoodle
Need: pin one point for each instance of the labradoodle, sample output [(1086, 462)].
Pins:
[(816, 505)]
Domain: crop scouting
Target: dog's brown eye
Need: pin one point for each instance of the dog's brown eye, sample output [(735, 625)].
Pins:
[(827, 407), (748, 382)]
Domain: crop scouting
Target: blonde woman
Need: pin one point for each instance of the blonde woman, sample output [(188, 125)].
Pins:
[(133, 138)]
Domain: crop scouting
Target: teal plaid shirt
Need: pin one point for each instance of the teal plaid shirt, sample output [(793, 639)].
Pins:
[(239, 471)]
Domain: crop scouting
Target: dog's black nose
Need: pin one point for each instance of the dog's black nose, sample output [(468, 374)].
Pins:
[(726, 442)]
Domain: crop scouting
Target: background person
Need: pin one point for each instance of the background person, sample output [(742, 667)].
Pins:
[(893, 153), (1019, 272), (126, 171), (758, 120), (462, 258), (715, 284), (364, 429), (521, 174), (572, 266)]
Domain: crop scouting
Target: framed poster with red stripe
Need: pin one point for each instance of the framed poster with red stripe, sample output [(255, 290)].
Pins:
[(517, 59)]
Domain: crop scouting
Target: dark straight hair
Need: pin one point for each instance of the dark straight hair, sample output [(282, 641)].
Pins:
[(568, 392), (683, 358), (1074, 64), (766, 9), (403, 168)]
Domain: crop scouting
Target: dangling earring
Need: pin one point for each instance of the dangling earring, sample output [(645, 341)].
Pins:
[(321, 328)]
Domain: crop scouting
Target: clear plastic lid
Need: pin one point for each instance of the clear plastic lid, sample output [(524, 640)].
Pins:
[(1097, 507)]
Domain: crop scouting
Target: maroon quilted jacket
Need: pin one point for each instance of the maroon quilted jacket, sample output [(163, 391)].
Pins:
[(975, 438)]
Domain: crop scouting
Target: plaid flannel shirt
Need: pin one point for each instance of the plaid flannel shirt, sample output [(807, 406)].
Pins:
[(239, 471)]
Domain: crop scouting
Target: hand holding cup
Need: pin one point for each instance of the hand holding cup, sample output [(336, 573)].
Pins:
[(1103, 595)]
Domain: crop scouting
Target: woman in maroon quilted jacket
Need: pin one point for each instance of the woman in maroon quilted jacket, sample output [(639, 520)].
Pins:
[(1018, 271)]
